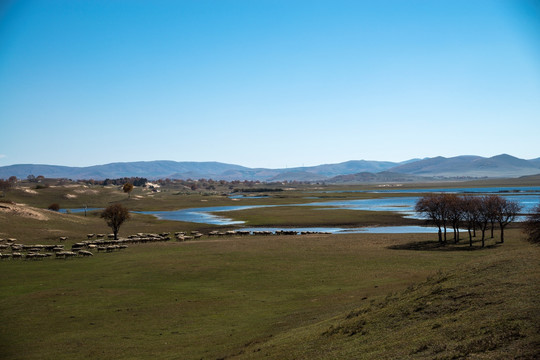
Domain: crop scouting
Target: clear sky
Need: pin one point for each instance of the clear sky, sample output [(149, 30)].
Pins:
[(267, 83)]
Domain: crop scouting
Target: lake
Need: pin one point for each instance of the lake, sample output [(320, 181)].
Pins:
[(527, 190), (202, 215), (403, 205), (527, 197)]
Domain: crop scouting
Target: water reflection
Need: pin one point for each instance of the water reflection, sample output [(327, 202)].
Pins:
[(203, 215)]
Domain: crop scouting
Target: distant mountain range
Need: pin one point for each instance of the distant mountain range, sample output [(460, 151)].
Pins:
[(356, 171)]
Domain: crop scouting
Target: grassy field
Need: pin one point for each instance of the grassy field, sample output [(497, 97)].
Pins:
[(279, 297), (485, 308), (216, 298)]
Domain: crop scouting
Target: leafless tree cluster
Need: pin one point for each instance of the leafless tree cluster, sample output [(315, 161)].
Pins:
[(135, 181), (468, 212)]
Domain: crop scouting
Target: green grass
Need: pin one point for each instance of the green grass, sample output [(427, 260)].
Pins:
[(317, 296), (485, 309), (206, 299)]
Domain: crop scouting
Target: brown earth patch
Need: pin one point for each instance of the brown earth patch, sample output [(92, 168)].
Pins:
[(23, 211)]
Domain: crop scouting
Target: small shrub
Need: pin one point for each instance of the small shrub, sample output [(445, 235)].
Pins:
[(54, 207), (41, 186)]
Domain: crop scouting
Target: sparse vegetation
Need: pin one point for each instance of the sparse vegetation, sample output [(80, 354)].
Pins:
[(128, 188), (5, 185), (115, 215), (54, 207)]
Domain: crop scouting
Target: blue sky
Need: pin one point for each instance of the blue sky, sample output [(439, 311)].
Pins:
[(267, 83)]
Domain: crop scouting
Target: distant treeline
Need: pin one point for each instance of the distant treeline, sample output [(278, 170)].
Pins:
[(135, 181), (258, 190)]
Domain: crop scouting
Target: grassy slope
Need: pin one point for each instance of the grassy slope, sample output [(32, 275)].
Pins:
[(217, 298), (487, 308)]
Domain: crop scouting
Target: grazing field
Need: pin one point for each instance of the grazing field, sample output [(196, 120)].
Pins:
[(280, 297), (216, 298)]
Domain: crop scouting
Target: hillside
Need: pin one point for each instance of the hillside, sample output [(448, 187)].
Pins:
[(383, 176), (435, 168), (474, 166), (194, 170), (488, 309)]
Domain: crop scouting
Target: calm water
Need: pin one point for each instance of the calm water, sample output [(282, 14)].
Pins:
[(529, 190), (204, 215), (402, 205), (528, 197), (405, 205), (78, 210)]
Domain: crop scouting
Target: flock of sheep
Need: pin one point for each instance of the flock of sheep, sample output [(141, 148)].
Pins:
[(37, 251), (265, 232), (10, 249), (31, 252)]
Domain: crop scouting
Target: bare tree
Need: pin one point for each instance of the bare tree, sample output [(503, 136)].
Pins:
[(115, 215), (492, 205), (505, 212), (484, 216), (470, 207), (431, 207), (532, 225), (455, 213)]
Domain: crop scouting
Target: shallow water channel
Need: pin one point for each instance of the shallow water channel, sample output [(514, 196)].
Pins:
[(210, 215), (528, 197), (402, 205)]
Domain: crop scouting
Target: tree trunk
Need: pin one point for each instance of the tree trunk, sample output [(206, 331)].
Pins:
[(483, 237), (492, 225), (444, 233), (502, 234), (470, 236)]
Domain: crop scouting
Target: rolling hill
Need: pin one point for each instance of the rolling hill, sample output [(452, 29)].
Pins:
[(474, 166), (350, 171)]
